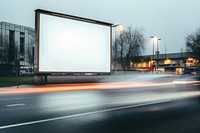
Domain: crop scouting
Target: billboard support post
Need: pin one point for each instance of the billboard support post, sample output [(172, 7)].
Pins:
[(41, 79)]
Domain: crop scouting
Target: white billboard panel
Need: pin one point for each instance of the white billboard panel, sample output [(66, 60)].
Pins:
[(70, 45)]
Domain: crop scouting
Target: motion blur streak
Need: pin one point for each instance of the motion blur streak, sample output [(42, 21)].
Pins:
[(186, 82), (88, 86)]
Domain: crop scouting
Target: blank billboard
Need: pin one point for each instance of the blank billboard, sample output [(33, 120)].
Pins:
[(70, 44)]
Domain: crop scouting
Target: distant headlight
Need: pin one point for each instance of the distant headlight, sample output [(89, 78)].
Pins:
[(194, 73)]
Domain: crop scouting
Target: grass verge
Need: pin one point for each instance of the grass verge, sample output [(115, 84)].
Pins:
[(13, 81)]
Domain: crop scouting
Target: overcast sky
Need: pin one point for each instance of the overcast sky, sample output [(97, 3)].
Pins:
[(170, 20)]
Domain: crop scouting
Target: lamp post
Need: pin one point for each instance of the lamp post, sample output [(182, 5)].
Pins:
[(116, 26), (157, 52), (165, 51), (153, 65), (153, 45)]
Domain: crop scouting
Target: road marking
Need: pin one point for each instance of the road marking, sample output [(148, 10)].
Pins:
[(11, 99), (81, 114), (14, 105)]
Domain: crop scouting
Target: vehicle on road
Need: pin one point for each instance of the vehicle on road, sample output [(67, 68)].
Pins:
[(191, 71)]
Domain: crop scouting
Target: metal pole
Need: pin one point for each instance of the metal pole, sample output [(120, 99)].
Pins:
[(152, 37), (115, 46), (157, 49), (157, 62), (153, 45), (16, 65), (115, 64), (157, 57), (165, 51), (157, 44), (153, 48)]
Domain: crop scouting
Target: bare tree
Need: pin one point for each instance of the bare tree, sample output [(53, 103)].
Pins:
[(130, 44), (193, 43)]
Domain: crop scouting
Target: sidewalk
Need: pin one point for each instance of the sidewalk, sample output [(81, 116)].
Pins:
[(118, 75), (104, 82)]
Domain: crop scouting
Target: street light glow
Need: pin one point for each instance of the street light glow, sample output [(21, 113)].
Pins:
[(119, 28)]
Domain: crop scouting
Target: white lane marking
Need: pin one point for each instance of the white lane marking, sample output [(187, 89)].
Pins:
[(81, 114), (11, 99), (14, 105)]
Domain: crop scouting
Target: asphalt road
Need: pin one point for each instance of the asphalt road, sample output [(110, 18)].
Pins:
[(160, 109)]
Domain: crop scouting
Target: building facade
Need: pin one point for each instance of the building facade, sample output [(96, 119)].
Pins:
[(173, 62), (17, 49)]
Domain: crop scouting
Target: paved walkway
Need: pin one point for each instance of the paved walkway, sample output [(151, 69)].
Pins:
[(104, 82)]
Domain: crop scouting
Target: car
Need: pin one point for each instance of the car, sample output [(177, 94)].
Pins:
[(192, 72)]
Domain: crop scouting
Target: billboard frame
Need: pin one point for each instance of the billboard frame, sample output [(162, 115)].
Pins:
[(87, 20)]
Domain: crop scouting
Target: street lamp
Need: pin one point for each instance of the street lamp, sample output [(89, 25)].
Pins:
[(120, 28), (153, 45), (157, 52)]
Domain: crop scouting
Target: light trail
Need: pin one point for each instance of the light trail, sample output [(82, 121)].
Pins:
[(88, 86), (14, 105)]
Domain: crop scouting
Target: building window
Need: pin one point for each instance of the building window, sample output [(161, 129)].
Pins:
[(22, 41), (21, 59), (33, 52), (12, 49)]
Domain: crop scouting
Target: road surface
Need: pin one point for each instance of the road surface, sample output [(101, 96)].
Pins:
[(157, 107)]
